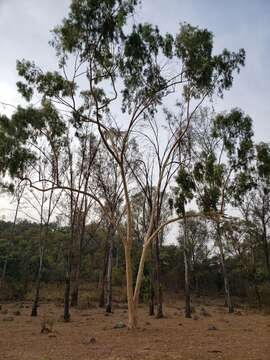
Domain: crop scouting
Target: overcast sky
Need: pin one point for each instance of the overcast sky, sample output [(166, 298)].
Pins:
[(25, 30)]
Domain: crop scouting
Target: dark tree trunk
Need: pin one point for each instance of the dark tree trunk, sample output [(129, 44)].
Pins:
[(258, 295), (34, 311), (76, 279), (187, 288), (158, 279), (253, 276), (151, 286), (67, 284), (4, 271), (197, 286), (228, 300), (74, 295), (79, 232), (102, 293), (266, 250), (187, 275), (109, 275), (67, 296), (3, 276)]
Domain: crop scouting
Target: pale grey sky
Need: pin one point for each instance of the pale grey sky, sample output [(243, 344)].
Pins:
[(25, 27)]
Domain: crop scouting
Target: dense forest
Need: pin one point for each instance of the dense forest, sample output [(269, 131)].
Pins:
[(125, 179)]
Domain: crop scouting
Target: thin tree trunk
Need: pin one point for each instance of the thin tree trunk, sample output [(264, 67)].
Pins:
[(102, 293), (132, 308), (187, 275), (158, 279), (264, 240), (4, 271), (266, 250), (224, 271), (255, 284), (258, 295), (3, 276), (81, 223), (151, 286), (76, 277), (75, 290), (197, 286), (41, 253), (67, 293), (36, 300), (117, 255), (109, 272)]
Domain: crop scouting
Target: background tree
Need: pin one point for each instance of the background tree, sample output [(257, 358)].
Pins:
[(221, 171), (116, 59)]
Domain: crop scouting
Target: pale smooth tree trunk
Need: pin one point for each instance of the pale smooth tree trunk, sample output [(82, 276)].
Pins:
[(132, 309)]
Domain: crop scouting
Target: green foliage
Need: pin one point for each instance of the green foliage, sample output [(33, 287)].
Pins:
[(263, 160), (184, 191), (235, 131), (27, 124), (206, 72), (223, 170)]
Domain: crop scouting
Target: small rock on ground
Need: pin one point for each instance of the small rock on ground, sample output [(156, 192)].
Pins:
[(212, 327), (119, 325), (88, 341)]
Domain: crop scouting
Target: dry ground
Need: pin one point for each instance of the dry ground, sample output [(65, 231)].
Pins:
[(244, 335)]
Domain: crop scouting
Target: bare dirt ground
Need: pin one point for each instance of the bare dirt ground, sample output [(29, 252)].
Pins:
[(91, 335)]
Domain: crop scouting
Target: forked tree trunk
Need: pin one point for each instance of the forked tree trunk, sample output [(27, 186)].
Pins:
[(228, 299)]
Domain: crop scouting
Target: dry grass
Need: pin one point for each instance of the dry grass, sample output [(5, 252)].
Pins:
[(90, 335)]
